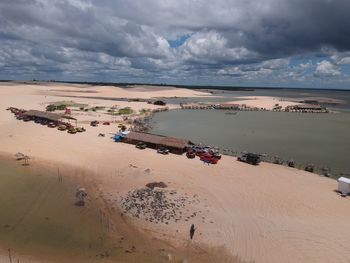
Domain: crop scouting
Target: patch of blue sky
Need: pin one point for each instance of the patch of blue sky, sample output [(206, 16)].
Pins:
[(179, 41), (346, 69)]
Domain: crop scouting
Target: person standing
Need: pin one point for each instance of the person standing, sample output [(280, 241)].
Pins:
[(192, 229)]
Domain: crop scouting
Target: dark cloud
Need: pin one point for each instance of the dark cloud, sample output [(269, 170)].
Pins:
[(244, 39)]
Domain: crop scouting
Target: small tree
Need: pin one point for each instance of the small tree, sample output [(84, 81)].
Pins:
[(51, 107)]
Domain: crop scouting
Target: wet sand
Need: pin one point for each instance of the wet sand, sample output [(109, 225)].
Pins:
[(41, 223)]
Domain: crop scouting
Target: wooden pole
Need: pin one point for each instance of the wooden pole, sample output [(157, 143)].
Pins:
[(10, 257)]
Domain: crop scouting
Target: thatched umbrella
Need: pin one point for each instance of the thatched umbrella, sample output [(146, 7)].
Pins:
[(19, 156), (26, 160)]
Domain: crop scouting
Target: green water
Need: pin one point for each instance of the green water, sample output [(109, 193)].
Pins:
[(322, 139), (38, 216)]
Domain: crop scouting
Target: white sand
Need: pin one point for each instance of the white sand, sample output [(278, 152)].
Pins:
[(264, 102), (266, 213)]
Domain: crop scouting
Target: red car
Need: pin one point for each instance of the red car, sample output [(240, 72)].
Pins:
[(208, 158)]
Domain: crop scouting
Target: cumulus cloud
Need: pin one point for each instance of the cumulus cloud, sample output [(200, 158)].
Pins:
[(344, 61), (326, 69), (82, 38)]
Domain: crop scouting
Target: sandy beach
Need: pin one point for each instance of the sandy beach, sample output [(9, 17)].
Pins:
[(264, 102), (266, 213)]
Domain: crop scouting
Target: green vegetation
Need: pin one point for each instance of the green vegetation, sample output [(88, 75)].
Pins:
[(121, 111), (69, 104), (52, 107), (144, 111), (62, 105), (125, 111)]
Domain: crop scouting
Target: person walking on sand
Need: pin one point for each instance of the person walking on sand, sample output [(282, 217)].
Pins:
[(192, 229)]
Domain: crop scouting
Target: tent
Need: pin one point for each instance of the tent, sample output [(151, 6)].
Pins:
[(119, 136), (344, 185)]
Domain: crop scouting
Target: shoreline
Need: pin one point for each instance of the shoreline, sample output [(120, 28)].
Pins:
[(121, 227), (247, 211), (268, 158)]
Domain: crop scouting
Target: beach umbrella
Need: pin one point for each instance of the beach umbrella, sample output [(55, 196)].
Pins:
[(26, 160), (19, 156)]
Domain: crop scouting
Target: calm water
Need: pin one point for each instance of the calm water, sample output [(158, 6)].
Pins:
[(322, 139), (227, 95)]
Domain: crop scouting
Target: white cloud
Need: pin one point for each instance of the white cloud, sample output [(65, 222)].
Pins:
[(326, 69), (344, 61), (245, 39), (275, 63), (211, 47)]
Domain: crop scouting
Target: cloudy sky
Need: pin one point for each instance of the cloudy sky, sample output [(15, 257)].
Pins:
[(296, 43)]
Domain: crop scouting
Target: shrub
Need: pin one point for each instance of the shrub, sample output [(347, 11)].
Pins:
[(51, 107), (61, 107), (125, 111)]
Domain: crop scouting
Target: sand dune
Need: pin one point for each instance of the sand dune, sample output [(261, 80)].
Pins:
[(267, 213)]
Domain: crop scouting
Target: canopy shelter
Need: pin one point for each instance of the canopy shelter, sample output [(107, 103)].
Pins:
[(48, 116), (175, 145)]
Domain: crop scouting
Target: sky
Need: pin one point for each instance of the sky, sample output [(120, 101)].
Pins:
[(275, 43)]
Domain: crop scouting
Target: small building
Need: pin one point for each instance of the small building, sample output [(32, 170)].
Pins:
[(344, 185), (175, 145)]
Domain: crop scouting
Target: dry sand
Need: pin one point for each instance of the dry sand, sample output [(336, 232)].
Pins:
[(264, 102), (264, 213)]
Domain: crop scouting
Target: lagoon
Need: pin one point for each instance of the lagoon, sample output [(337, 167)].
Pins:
[(322, 139)]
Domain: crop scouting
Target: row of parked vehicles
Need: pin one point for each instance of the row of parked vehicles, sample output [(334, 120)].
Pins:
[(161, 150), (206, 154), (61, 126)]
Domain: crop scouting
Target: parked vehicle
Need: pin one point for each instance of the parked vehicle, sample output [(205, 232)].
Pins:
[(62, 127), (106, 123), (163, 150), (80, 129), (191, 154), (251, 158), (310, 168), (217, 155), (208, 158), (19, 117), (277, 160), (141, 146), (94, 123), (72, 131), (52, 125), (291, 163)]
